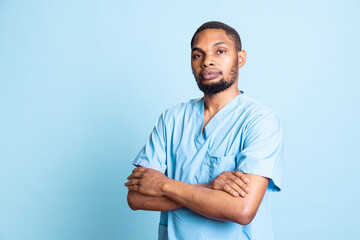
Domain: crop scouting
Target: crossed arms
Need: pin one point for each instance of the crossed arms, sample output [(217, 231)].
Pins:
[(226, 198)]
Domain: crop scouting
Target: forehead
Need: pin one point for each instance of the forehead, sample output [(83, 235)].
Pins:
[(209, 37)]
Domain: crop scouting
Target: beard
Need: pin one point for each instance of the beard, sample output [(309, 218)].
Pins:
[(221, 85)]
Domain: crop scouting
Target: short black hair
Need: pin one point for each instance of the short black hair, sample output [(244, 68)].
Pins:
[(231, 32)]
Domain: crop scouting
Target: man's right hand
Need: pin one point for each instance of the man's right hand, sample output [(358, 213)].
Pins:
[(232, 182)]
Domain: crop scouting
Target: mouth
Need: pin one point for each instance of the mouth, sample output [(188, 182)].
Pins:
[(209, 74)]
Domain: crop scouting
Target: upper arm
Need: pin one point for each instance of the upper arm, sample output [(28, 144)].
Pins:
[(247, 207), (263, 152), (261, 160), (153, 154)]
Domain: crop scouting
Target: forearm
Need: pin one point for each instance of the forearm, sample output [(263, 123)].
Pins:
[(215, 204), (139, 201), (210, 203), (164, 194)]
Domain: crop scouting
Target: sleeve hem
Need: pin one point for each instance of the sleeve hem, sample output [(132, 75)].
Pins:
[(146, 164), (274, 184)]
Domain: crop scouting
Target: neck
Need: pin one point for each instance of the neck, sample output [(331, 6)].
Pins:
[(215, 102)]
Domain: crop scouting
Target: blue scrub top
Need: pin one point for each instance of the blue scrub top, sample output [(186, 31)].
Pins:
[(244, 135)]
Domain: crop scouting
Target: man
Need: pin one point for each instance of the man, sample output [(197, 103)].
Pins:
[(211, 164)]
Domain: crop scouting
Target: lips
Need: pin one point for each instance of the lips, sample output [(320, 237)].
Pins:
[(209, 74)]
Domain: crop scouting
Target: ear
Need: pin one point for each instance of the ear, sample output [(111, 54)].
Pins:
[(241, 58)]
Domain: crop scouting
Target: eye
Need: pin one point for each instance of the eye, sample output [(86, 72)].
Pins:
[(221, 51), (197, 55)]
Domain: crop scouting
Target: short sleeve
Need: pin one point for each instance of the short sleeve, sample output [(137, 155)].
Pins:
[(153, 154), (263, 150)]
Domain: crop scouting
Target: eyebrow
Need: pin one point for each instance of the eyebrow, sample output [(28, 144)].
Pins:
[(219, 43), (215, 44), (196, 49)]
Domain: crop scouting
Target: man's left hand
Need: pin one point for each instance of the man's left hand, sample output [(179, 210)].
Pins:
[(146, 181)]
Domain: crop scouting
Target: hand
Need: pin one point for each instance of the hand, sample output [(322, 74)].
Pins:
[(232, 182), (146, 181)]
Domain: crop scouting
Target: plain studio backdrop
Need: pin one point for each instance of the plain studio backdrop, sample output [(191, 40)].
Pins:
[(82, 84)]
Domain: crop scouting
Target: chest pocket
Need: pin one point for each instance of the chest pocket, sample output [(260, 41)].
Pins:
[(217, 165)]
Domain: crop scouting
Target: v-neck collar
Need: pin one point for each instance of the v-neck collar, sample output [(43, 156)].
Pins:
[(216, 119)]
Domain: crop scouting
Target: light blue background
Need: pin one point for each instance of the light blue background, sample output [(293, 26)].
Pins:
[(83, 82)]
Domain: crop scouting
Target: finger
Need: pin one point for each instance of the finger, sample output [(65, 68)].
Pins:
[(243, 177), (231, 191), (132, 182), (136, 175), (135, 188), (239, 182), (241, 185), (236, 188), (139, 169), (131, 176)]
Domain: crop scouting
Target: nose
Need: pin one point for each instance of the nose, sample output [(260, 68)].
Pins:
[(208, 61)]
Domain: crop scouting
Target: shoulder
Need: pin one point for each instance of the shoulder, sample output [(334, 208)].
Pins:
[(255, 108), (257, 113), (182, 109)]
